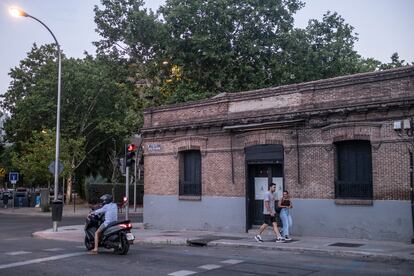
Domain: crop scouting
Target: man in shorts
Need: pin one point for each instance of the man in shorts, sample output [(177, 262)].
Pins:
[(110, 210), (269, 215)]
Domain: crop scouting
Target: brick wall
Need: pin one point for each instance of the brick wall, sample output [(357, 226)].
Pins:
[(337, 92), (329, 111)]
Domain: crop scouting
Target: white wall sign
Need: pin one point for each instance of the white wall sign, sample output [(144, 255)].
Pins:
[(154, 147), (279, 187), (260, 187)]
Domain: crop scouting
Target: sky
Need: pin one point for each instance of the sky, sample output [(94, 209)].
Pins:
[(384, 27)]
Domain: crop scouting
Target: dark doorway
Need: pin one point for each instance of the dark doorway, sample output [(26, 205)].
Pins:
[(264, 165), (260, 177)]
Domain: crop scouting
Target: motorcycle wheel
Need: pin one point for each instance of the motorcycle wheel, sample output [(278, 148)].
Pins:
[(89, 244), (123, 246)]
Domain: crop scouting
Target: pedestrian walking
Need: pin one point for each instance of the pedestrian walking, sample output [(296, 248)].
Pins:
[(285, 204), (5, 198), (269, 215)]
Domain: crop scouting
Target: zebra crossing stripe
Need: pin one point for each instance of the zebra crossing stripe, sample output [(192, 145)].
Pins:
[(232, 261), (53, 249), (41, 260), (182, 273), (209, 266), (15, 253)]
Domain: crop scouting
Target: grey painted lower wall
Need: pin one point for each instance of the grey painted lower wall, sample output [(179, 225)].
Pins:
[(211, 213), (384, 220)]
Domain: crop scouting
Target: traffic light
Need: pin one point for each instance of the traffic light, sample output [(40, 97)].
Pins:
[(130, 155)]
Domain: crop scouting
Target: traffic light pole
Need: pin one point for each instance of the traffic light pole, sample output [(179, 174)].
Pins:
[(135, 184), (127, 192)]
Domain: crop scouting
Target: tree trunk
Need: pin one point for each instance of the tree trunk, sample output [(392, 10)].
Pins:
[(70, 182), (68, 190)]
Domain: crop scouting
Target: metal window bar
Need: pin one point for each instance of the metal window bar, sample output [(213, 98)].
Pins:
[(190, 188), (353, 189)]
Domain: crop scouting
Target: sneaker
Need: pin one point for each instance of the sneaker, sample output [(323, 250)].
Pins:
[(287, 238), (258, 238), (280, 239)]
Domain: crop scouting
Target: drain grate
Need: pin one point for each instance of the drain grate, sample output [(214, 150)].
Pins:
[(346, 244), (202, 241)]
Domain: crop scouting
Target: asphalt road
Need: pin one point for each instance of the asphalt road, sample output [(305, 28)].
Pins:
[(20, 254)]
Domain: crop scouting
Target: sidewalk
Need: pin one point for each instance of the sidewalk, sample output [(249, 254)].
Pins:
[(374, 250)]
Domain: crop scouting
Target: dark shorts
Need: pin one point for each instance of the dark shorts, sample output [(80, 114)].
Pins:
[(268, 219)]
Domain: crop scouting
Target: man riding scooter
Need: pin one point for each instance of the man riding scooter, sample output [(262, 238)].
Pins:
[(110, 210)]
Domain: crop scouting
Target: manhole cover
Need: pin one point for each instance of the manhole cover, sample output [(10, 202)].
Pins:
[(346, 244), (198, 242)]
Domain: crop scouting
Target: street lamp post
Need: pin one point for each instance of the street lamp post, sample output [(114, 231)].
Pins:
[(18, 12)]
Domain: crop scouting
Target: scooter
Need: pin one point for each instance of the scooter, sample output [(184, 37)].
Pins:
[(116, 235)]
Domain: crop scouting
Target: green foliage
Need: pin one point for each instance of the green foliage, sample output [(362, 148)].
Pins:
[(219, 45), (223, 46), (395, 62), (35, 156), (95, 106)]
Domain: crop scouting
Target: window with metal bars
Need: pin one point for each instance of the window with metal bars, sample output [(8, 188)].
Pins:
[(190, 173), (353, 170)]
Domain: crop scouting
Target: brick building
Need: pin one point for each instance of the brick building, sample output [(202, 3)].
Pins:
[(331, 143)]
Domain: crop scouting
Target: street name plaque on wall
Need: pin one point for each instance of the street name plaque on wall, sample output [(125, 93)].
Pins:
[(154, 147)]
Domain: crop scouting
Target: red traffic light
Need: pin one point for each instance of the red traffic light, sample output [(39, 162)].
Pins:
[(132, 147)]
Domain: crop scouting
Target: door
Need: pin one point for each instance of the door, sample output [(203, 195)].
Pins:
[(260, 176)]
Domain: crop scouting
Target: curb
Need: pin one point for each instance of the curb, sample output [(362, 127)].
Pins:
[(180, 241), (337, 253)]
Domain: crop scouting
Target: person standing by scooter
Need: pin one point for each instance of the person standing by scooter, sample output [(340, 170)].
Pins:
[(110, 210)]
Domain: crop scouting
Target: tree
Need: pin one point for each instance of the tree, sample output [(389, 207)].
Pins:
[(35, 156), (96, 107), (193, 49), (217, 45), (395, 62)]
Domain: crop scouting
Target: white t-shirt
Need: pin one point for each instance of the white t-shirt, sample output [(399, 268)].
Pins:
[(268, 196), (111, 213)]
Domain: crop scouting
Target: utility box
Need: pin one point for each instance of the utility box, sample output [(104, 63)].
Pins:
[(44, 200)]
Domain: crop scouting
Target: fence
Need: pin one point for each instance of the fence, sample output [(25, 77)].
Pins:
[(93, 191)]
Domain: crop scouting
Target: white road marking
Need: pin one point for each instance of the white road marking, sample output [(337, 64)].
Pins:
[(40, 260), (231, 261), (209, 266), (53, 249), (182, 273), (17, 253), (81, 247)]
